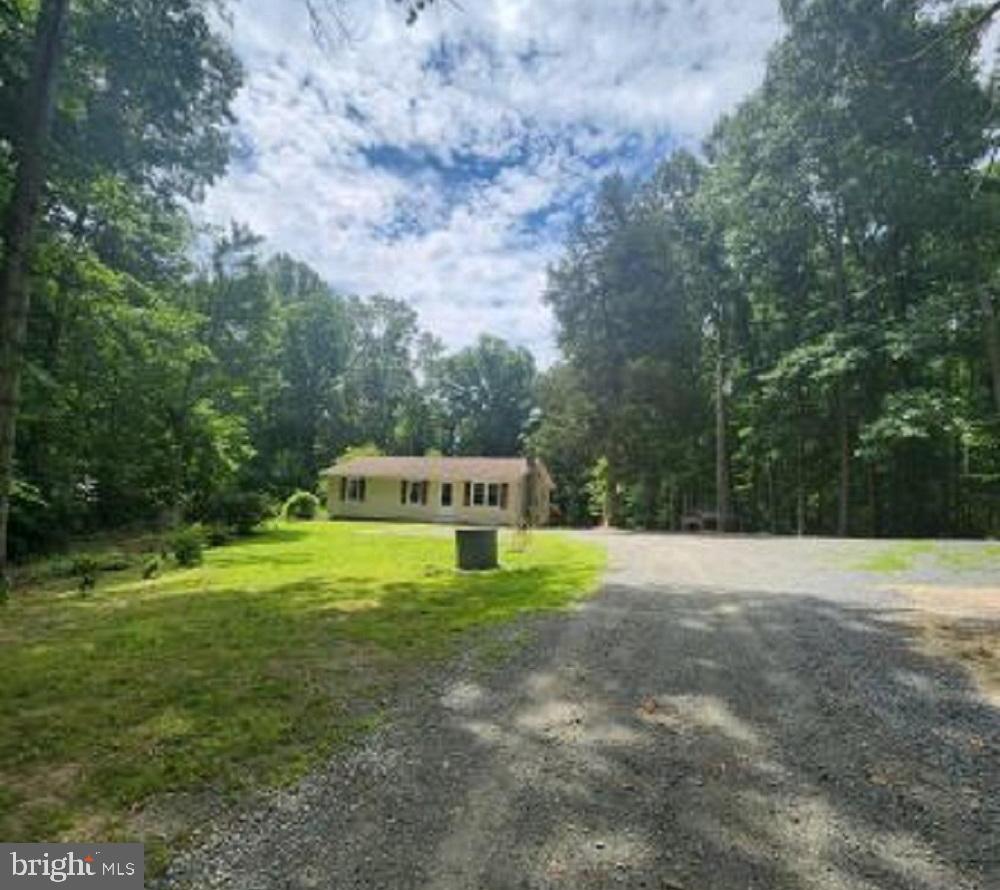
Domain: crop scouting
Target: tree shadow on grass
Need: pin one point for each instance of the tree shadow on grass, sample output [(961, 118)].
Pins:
[(169, 689), (661, 739)]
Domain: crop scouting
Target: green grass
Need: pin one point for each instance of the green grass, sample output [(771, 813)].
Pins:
[(895, 557), (241, 672), (983, 556), (901, 556)]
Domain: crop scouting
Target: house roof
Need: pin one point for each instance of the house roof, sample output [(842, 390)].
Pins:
[(482, 469)]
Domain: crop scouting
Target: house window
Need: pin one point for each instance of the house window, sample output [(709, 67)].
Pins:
[(355, 488), (445, 494), (413, 492), (485, 494)]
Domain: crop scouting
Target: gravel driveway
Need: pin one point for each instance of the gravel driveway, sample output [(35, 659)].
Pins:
[(738, 713)]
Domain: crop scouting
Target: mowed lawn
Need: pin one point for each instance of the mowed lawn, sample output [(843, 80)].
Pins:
[(240, 672)]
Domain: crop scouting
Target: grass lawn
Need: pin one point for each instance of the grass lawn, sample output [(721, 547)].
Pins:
[(901, 556), (237, 673)]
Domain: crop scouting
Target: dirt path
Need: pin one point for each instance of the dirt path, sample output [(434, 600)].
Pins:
[(738, 714)]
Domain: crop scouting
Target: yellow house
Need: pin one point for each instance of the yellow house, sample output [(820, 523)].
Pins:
[(466, 490)]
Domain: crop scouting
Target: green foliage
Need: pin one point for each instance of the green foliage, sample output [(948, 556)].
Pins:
[(114, 561), (567, 440), (187, 545), (824, 278), (598, 487), (217, 534), (151, 568), (820, 289), (152, 397), (301, 505), (237, 511), (140, 128), (368, 449), (379, 382), (30, 518), (486, 393), (85, 569), (158, 114)]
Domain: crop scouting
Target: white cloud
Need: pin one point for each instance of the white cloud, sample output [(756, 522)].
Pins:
[(409, 161)]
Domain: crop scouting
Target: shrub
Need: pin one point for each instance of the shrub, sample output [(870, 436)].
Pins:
[(217, 535), (33, 524), (241, 511), (85, 569), (187, 545), (115, 561), (301, 505), (152, 568)]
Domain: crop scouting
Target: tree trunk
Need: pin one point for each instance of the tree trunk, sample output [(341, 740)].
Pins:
[(772, 511), (721, 466), (991, 331), (844, 445), (843, 430), (611, 508), (18, 233), (873, 505), (800, 491)]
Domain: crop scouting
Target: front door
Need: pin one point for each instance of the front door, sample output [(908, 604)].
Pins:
[(447, 505)]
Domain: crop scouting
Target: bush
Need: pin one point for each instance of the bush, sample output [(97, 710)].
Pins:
[(217, 535), (241, 511), (301, 505), (115, 561), (187, 545), (35, 525), (85, 569), (152, 568)]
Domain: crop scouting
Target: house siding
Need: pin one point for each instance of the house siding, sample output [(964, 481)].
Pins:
[(382, 501)]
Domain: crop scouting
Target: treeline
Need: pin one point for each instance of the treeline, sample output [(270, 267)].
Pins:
[(798, 329), (146, 403), (152, 382)]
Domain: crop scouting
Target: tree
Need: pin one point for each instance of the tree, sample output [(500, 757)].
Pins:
[(148, 107), (631, 299), (30, 143), (379, 377), (813, 300), (566, 439), (331, 24), (486, 391), (301, 426)]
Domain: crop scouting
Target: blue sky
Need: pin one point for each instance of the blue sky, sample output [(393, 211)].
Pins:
[(442, 163)]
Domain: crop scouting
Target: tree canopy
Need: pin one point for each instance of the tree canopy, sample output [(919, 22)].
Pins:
[(796, 320), (795, 326)]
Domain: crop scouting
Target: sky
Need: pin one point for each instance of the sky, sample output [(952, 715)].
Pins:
[(443, 163)]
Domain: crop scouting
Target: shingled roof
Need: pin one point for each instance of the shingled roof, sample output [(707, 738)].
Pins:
[(482, 469)]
